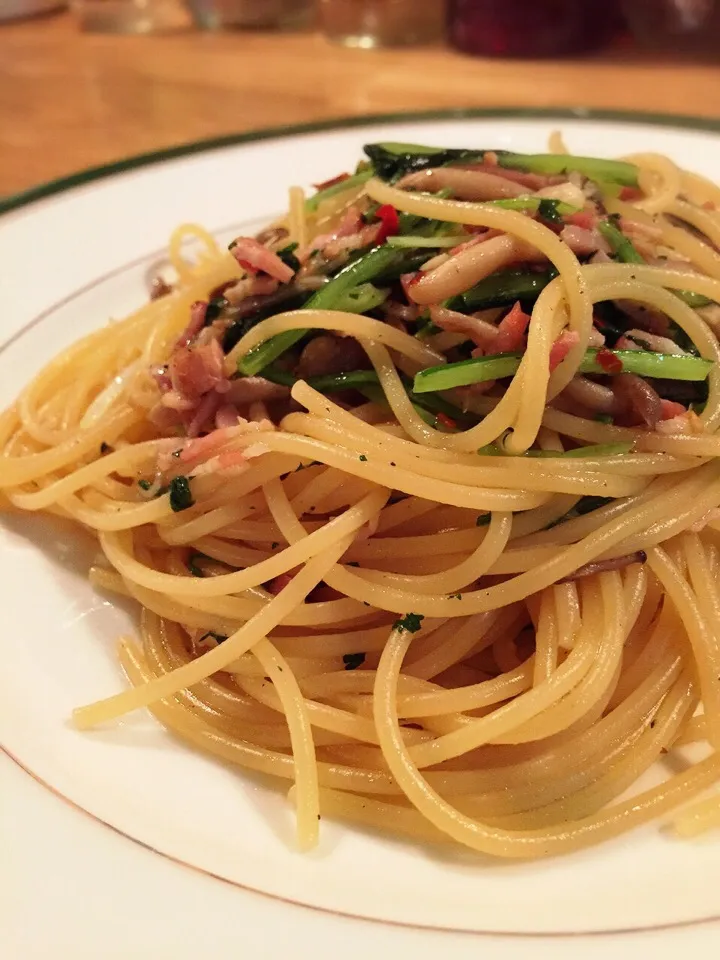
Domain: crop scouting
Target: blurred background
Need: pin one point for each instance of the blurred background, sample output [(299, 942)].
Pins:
[(92, 81)]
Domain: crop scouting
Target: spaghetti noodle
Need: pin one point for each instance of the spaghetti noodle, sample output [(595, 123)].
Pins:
[(419, 494)]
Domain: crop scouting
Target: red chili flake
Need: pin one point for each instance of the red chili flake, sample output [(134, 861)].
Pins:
[(630, 194), (445, 421), (408, 280), (609, 361), (389, 222), (332, 181)]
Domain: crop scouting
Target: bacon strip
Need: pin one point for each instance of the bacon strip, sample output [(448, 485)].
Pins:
[(602, 566), (253, 256), (466, 184)]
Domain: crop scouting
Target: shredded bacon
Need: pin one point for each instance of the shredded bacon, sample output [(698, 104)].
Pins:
[(596, 339), (670, 409), (279, 583), (584, 242), (350, 225), (395, 311), (562, 347), (355, 241), (482, 333), (637, 400), (164, 417), (533, 181), (226, 416), (250, 389), (585, 219), (686, 423), (473, 182), (197, 321), (636, 339), (252, 286), (601, 566), (161, 378), (195, 371), (254, 257), (201, 447), (511, 331), (204, 414), (408, 279)]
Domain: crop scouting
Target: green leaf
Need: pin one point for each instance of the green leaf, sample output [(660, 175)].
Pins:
[(411, 622), (552, 164), (501, 289), (644, 363), (181, 497)]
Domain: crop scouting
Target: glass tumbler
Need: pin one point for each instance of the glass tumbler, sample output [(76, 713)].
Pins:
[(382, 23), (130, 16)]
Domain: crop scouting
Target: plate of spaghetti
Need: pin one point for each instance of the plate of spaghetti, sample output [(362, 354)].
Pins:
[(361, 546)]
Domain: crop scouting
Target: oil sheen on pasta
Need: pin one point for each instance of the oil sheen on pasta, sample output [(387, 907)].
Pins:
[(418, 493)]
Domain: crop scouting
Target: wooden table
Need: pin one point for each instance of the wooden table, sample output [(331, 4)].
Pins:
[(70, 100)]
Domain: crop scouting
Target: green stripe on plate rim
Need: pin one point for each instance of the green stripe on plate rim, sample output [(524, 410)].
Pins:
[(82, 177)]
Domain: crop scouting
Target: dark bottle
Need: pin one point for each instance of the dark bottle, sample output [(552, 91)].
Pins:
[(531, 28), (676, 26)]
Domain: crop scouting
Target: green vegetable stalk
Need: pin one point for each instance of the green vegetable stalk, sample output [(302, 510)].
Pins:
[(641, 362)]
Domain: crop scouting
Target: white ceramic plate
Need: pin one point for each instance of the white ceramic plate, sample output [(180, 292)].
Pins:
[(74, 255)]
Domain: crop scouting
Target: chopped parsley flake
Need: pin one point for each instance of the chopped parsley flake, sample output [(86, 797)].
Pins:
[(454, 596), (180, 494), (483, 519), (192, 564), (410, 622), (144, 484), (217, 637), (363, 457), (274, 545), (353, 660)]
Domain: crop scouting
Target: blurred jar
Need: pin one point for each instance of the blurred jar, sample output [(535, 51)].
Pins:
[(382, 23), (531, 28), (253, 14), (130, 16), (677, 26), (18, 9)]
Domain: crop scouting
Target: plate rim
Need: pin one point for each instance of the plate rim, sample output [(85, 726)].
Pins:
[(60, 185), (49, 188)]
